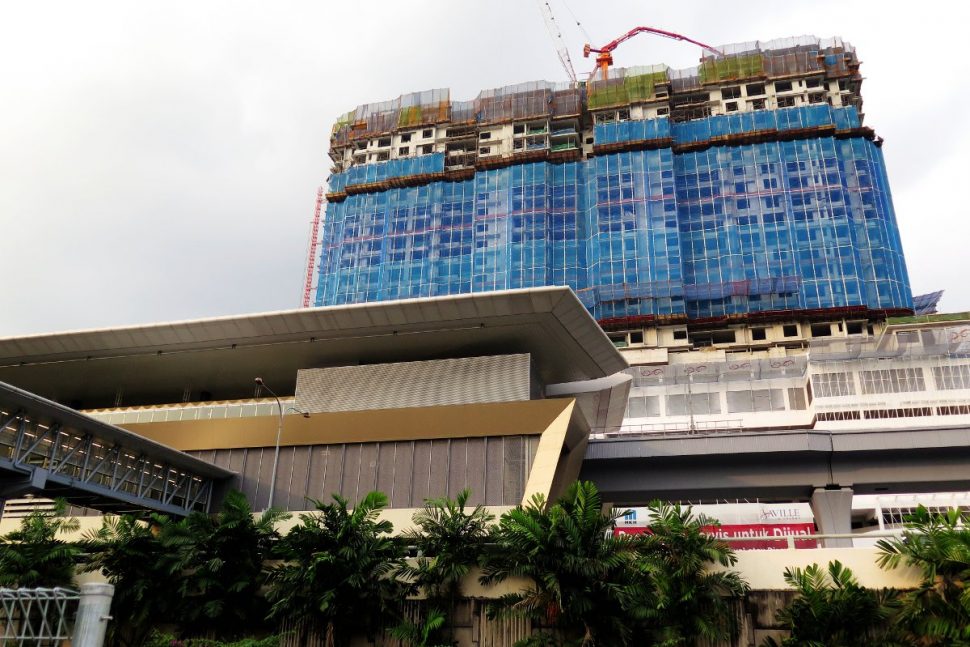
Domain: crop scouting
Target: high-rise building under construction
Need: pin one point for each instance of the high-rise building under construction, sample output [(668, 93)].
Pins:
[(744, 188)]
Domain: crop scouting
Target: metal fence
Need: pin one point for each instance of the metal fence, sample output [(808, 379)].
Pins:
[(37, 617)]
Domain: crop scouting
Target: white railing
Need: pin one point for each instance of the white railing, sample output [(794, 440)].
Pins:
[(189, 411), (696, 428), (790, 540)]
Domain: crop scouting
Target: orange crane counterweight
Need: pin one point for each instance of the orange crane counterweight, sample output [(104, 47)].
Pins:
[(604, 54)]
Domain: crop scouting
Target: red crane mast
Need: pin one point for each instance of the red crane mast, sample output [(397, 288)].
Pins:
[(312, 253)]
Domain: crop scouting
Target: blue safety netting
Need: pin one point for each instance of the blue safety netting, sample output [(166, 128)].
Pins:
[(801, 224), (781, 119), (742, 122), (380, 171), (625, 131)]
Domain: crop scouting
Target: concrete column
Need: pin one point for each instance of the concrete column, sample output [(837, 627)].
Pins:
[(833, 514), (93, 614)]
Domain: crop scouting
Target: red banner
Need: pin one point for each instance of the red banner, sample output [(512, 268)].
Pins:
[(773, 534)]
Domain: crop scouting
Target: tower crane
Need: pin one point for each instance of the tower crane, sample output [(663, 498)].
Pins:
[(604, 54), (557, 39)]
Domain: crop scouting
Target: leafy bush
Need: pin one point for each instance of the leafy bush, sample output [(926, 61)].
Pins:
[(577, 567), (450, 542), (338, 571), (33, 556), (832, 609), (937, 612), (678, 599)]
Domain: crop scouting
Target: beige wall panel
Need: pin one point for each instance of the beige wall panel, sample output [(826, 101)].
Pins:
[(457, 466), (317, 469), (421, 477), (515, 468), (440, 454), (351, 474), (367, 480), (284, 474), (385, 468), (261, 501), (457, 421), (475, 479), (334, 469), (494, 462), (300, 479), (542, 476), (403, 472)]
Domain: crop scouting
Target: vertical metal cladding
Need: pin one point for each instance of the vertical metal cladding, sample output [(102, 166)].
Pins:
[(495, 469), (694, 223)]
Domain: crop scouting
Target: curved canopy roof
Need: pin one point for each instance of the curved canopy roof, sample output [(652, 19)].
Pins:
[(218, 358)]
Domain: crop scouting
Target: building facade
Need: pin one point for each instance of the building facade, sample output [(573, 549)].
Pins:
[(744, 186), (904, 373), (419, 399)]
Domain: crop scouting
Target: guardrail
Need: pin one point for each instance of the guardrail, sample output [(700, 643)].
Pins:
[(697, 428), (791, 541)]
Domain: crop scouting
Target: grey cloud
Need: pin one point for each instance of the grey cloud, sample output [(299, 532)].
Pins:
[(160, 161)]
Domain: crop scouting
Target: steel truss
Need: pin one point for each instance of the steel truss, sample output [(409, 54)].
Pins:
[(95, 464)]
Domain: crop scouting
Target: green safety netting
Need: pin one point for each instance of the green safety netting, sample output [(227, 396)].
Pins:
[(732, 67), (627, 89)]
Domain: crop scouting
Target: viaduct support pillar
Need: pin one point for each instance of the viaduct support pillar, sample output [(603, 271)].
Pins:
[(833, 514)]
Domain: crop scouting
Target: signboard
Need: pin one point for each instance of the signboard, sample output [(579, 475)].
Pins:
[(751, 521), (774, 534)]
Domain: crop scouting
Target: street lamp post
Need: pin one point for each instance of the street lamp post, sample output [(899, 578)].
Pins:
[(279, 435)]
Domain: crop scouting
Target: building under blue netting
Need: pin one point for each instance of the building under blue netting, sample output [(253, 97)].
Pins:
[(685, 219)]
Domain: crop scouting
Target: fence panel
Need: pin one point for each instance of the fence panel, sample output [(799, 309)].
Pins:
[(37, 617)]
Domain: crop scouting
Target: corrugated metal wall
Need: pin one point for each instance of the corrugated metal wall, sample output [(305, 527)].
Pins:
[(408, 472), (497, 378)]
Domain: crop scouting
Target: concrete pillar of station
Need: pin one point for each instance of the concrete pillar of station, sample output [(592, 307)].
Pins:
[(833, 514), (93, 614)]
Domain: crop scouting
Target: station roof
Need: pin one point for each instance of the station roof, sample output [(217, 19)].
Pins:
[(220, 357)]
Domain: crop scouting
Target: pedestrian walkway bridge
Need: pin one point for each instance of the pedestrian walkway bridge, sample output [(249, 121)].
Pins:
[(54, 451)]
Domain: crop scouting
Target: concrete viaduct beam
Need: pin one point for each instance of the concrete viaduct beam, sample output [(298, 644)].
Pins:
[(789, 465)]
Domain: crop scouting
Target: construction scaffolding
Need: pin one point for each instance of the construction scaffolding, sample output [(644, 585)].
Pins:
[(805, 223), (626, 86), (531, 100), (778, 58), (686, 216)]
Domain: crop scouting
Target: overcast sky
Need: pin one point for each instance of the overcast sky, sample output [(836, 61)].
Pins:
[(160, 161)]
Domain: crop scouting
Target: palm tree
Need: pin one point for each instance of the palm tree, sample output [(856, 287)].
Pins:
[(131, 555), (33, 556), (679, 599), (937, 612), (450, 541), (338, 572), (577, 567), (832, 609), (218, 561)]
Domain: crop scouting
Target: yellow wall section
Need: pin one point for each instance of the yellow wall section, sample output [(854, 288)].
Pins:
[(531, 417), (546, 462)]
